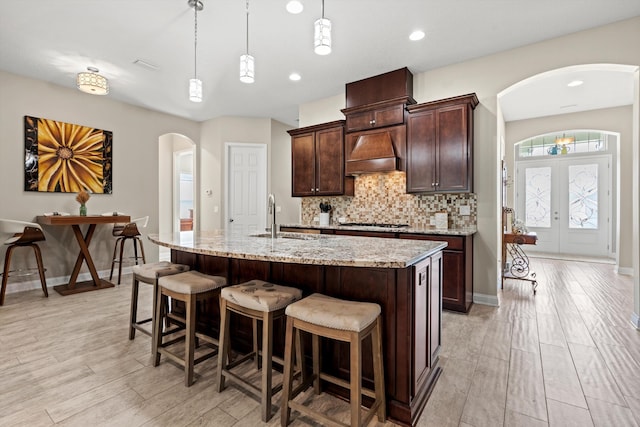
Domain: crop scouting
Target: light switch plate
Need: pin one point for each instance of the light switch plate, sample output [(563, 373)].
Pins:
[(465, 210)]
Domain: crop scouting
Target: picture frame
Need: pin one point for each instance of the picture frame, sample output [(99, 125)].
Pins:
[(62, 157)]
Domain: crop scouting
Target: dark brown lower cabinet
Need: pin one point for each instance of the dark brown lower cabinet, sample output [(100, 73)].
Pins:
[(411, 312), (457, 267), (457, 263)]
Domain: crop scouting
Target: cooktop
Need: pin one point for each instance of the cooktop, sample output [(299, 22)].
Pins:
[(371, 224)]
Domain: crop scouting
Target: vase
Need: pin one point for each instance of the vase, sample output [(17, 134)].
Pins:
[(324, 218), (83, 210)]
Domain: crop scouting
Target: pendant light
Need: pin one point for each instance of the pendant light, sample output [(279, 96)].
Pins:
[(195, 84), (247, 63), (322, 35), (91, 82)]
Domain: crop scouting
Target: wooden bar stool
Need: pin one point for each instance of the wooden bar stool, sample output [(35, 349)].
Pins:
[(21, 234), (124, 232), (149, 273), (259, 301), (188, 287), (337, 319)]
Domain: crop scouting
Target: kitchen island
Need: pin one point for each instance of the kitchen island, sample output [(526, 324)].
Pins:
[(404, 277)]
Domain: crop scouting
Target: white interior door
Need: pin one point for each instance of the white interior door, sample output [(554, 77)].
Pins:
[(246, 189), (567, 202)]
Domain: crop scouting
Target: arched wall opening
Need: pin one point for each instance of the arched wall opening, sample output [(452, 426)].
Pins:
[(177, 186), (615, 118)]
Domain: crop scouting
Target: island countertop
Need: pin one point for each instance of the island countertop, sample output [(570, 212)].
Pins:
[(318, 249)]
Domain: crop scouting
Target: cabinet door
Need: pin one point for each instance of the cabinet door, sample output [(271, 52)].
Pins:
[(389, 116), (421, 152), (453, 151), (380, 117), (453, 287), (435, 309), (360, 121), (329, 151), (421, 327), (303, 165)]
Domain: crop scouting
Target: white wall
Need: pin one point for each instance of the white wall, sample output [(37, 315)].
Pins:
[(135, 166), (487, 76), (214, 134)]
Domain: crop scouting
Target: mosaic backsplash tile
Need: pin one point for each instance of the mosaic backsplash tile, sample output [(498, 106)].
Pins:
[(382, 198)]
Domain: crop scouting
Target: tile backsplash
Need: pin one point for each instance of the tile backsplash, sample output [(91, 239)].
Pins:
[(382, 198)]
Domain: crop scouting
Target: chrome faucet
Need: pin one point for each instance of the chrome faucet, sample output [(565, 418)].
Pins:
[(273, 228)]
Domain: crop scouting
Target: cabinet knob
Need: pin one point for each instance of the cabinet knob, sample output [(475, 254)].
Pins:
[(312, 189), (372, 122), (317, 189)]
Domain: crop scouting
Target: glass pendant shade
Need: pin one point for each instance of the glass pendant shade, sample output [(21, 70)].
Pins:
[(92, 83), (195, 90), (322, 36), (247, 69)]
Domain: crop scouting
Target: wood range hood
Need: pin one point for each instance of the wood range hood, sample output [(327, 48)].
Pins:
[(375, 140), (372, 153)]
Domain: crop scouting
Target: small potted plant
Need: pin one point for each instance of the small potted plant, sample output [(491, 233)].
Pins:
[(83, 198)]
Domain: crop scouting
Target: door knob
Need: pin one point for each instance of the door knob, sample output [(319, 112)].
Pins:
[(231, 220)]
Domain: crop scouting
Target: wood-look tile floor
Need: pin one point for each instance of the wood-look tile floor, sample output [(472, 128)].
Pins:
[(566, 357)]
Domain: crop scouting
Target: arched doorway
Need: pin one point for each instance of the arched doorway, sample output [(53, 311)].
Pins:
[(177, 184), (557, 100)]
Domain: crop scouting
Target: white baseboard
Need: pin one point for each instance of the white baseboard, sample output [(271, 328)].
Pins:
[(27, 285), (483, 299), (627, 271), (635, 320)]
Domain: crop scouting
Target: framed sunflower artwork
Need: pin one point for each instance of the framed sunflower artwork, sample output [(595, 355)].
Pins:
[(65, 158)]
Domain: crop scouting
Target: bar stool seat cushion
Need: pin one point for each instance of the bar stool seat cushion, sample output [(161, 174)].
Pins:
[(334, 313), (191, 282), (261, 296), (154, 270)]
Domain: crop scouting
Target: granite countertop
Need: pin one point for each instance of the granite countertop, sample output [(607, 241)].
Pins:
[(408, 230), (298, 248)]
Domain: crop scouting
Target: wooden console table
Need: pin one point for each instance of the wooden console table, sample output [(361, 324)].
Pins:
[(519, 268), (75, 221)]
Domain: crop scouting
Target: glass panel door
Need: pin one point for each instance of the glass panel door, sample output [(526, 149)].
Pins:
[(566, 201)]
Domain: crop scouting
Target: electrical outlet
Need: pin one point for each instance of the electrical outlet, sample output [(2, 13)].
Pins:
[(316, 219), (465, 210), (278, 208), (342, 220), (432, 220)]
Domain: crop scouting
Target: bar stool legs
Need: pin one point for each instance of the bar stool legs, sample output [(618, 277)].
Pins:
[(23, 234), (340, 320), (188, 287), (259, 301), (149, 274)]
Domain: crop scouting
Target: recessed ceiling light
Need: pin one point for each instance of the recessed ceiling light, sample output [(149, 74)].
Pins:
[(416, 35), (294, 77), (294, 6), (575, 83)]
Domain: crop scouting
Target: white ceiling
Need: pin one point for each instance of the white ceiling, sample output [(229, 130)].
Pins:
[(53, 40)]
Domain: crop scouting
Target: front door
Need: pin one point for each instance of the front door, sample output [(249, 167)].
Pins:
[(567, 202), (246, 189)]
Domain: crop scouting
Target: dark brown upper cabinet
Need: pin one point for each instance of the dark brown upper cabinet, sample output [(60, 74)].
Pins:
[(317, 161), (440, 145)]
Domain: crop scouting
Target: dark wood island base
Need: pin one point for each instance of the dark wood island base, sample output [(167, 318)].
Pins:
[(410, 299)]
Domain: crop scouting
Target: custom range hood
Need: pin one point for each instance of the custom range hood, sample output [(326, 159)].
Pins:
[(372, 153)]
